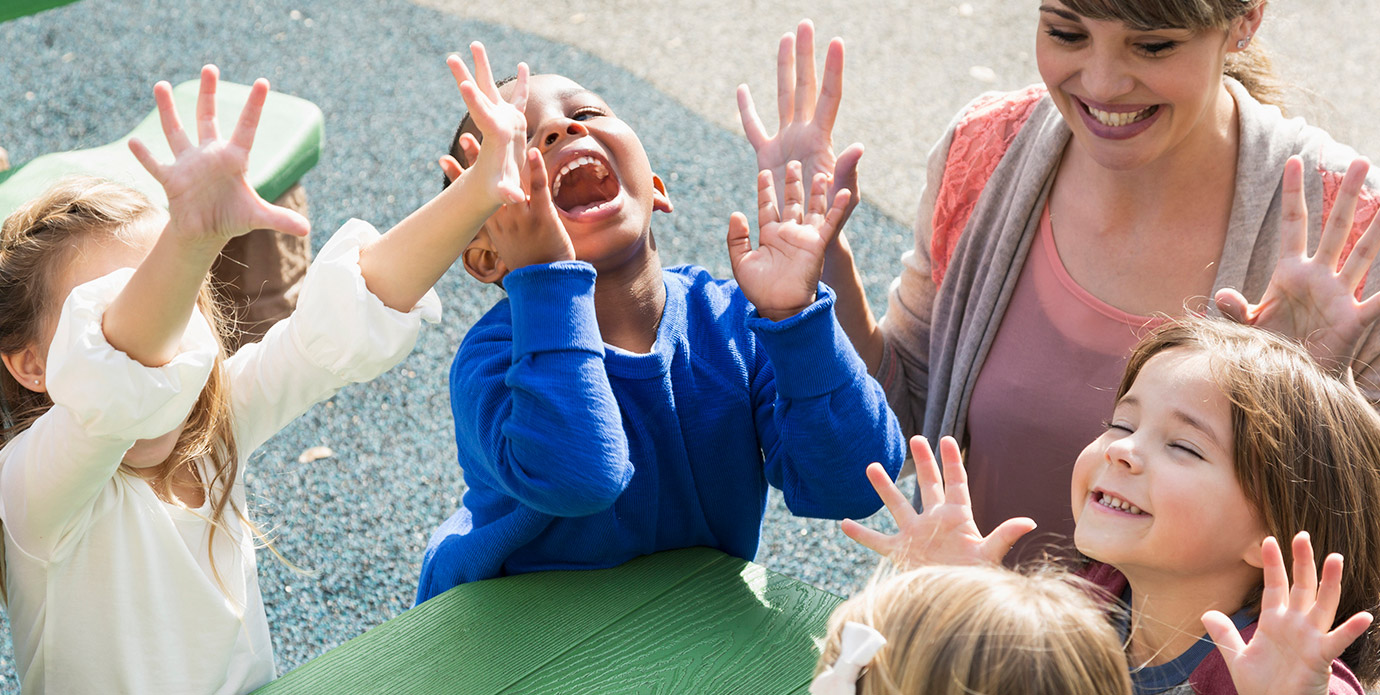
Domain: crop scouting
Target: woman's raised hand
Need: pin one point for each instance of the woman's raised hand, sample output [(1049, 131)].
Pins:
[(944, 533), (781, 275), (1294, 644), (1313, 298), (501, 156), (806, 121), (209, 199)]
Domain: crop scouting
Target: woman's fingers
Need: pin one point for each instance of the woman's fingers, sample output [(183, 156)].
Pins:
[(831, 91), (747, 113), (804, 71), (785, 80), (1293, 226), (1338, 228)]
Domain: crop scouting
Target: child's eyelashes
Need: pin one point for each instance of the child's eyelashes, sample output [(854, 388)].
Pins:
[(1116, 425), (586, 113), (1188, 449)]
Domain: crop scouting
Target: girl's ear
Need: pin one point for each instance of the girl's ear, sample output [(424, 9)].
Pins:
[(660, 201), (1245, 27), (482, 262), (27, 367), (1253, 556)]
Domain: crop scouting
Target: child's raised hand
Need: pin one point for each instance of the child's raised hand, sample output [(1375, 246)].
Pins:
[(1294, 643), (944, 533), (806, 122), (503, 123), (208, 197), (1313, 298), (530, 232), (781, 275)]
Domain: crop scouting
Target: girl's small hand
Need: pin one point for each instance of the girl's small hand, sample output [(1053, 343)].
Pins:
[(1311, 298), (944, 533), (530, 232), (209, 199), (781, 275), (1294, 644), (806, 123), (503, 123)]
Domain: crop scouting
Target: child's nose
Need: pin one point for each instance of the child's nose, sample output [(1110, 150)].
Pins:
[(570, 128), (1124, 452)]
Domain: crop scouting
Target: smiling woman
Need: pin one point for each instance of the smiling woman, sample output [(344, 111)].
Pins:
[(1142, 179)]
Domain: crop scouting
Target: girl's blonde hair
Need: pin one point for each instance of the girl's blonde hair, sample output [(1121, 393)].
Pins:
[(37, 242), (984, 631), (1251, 67), (1307, 453)]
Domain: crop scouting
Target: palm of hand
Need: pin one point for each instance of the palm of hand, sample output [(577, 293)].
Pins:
[(804, 142), (1283, 657), (781, 274), (1306, 301), (941, 535), (207, 190)]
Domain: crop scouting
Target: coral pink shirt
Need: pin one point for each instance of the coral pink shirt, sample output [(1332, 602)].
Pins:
[(1046, 387)]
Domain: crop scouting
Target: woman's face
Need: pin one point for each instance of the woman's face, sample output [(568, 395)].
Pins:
[(1132, 97)]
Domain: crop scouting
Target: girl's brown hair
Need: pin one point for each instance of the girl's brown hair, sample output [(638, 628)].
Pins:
[(37, 242), (1251, 67), (1307, 454), (984, 631)]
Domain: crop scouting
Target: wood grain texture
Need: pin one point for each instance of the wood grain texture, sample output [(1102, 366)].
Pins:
[(487, 636), (736, 627)]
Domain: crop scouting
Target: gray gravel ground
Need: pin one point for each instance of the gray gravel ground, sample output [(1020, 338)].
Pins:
[(360, 520)]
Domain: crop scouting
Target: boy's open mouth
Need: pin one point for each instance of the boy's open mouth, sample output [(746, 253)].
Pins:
[(583, 184)]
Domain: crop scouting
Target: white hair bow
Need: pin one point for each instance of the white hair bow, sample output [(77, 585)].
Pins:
[(859, 644)]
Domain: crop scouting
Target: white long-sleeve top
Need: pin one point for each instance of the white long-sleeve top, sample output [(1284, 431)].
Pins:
[(111, 589)]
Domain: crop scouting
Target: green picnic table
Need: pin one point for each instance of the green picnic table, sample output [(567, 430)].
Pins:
[(681, 621)]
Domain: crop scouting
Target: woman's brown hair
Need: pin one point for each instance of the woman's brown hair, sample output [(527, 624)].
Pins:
[(1307, 454), (36, 243), (984, 630), (1251, 67)]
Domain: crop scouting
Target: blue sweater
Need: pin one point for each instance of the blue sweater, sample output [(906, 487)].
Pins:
[(579, 455)]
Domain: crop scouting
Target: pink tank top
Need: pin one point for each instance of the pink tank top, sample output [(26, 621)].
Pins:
[(1046, 387)]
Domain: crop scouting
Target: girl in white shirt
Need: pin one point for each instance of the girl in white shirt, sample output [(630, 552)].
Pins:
[(128, 562)]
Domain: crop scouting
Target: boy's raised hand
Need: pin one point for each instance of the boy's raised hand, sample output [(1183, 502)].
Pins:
[(781, 275), (944, 533), (209, 199), (806, 121), (1294, 643), (500, 155), (530, 232)]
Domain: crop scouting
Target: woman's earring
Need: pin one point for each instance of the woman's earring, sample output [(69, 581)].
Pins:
[(1243, 43), (35, 382)]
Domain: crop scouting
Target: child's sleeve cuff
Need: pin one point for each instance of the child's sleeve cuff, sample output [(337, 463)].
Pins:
[(553, 308), (809, 352)]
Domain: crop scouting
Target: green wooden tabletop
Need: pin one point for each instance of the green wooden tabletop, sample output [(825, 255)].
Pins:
[(682, 621)]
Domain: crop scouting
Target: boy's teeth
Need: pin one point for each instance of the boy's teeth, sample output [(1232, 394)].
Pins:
[(574, 164), (1116, 120)]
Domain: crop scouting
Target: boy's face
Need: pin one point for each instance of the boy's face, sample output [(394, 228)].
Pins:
[(601, 181)]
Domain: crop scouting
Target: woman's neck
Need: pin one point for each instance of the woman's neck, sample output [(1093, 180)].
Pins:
[(629, 299), (1167, 610)]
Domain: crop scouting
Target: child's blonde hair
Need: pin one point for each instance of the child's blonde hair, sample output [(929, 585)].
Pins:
[(37, 242), (1306, 446), (984, 630)]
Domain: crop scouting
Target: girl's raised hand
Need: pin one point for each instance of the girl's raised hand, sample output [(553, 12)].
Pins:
[(806, 122), (944, 533), (781, 275), (1294, 643), (1313, 298), (503, 123), (209, 199)]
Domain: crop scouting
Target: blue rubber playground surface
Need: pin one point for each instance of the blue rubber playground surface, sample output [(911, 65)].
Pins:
[(82, 75)]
